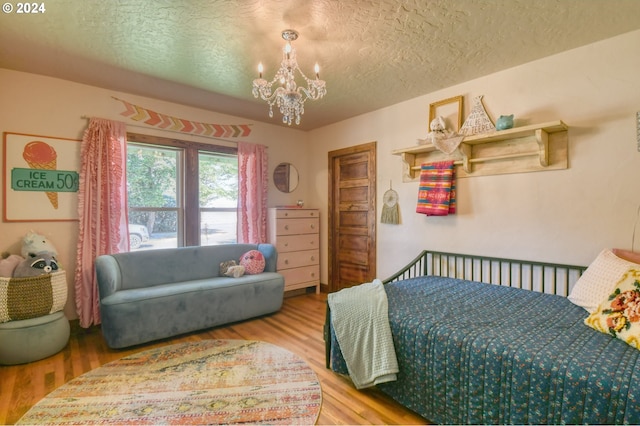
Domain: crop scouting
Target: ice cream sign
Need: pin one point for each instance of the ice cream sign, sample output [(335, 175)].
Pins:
[(43, 174), (41, 178)]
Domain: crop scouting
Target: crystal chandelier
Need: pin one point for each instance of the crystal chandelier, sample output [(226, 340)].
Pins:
[(288, 96)]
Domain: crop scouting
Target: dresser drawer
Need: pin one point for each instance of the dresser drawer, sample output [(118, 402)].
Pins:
[(286, 243), (297, 226), (305, 274), (296, 213), (298, 258)]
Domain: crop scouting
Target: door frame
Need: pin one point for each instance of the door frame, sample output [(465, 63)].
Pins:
[(370, 147)]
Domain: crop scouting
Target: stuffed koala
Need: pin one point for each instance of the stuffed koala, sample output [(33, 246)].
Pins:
[(33, 243), (36, 264)]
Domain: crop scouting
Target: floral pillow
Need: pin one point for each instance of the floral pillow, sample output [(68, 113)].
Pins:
[(619, 314)]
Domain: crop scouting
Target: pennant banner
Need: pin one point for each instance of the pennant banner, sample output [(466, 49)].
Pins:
[(166, 122)]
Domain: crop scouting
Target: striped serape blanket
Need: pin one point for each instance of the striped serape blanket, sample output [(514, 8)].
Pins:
[(437, 190)]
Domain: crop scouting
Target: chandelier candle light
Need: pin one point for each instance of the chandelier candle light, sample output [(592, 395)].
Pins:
[(288, 96)]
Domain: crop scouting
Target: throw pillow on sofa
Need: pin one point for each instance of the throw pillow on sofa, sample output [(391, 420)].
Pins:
[(253, 262)]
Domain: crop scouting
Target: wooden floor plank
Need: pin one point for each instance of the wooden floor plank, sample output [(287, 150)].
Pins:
[(297, 327), (7, 384)]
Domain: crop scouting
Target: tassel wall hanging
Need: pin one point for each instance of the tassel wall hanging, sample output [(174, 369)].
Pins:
[(390, 209)]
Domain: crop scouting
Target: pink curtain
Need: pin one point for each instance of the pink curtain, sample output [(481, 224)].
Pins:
[(102, 209), (252, 193)]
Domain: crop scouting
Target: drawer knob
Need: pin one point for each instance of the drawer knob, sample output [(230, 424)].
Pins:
[(313, 258), (286, 244), (286, 227), (313, 274), (313, 226), (286, 261)]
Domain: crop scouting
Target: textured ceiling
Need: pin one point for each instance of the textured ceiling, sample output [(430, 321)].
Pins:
[(372, 54)]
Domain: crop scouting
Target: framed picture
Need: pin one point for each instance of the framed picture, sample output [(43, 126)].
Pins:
[(450, 109), (40, 178)]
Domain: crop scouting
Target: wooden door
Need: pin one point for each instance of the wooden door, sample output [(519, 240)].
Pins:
[(352, 216)]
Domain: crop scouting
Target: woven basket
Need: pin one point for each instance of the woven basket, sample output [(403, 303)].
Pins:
[(31, 297)]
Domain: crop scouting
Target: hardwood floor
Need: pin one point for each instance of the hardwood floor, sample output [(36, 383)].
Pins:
[(296, 327)]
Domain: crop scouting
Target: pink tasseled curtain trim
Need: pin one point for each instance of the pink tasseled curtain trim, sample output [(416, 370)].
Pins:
[(252, 193), (102, 209)]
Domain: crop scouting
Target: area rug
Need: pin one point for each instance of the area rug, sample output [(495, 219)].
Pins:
[(206, 382)]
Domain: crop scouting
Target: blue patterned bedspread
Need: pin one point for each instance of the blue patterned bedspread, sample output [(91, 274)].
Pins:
[(479, 353)]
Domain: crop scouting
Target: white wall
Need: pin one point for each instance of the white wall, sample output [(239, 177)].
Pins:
[(566, 216), (46, 106)]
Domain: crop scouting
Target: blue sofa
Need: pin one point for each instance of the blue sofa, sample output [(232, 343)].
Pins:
[(151, 295)]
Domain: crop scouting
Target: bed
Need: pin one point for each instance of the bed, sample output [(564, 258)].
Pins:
[(482, 340)]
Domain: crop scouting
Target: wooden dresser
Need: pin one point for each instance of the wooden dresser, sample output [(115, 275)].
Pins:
[(295, 233)]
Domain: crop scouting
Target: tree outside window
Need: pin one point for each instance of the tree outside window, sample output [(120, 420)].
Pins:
[(218, 192)]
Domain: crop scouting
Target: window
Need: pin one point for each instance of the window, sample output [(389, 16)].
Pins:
[(180, 193), (218, 197)]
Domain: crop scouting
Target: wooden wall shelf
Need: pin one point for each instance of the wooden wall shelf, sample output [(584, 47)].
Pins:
[(519, 150)]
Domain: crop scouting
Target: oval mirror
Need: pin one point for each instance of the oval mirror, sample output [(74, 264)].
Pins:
[(285, 177)]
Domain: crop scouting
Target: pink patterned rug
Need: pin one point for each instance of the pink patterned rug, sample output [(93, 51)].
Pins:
[(207, 382)]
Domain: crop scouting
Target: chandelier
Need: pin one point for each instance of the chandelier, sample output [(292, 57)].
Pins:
[(288, 96)]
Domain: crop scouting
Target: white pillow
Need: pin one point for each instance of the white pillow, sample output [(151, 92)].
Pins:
[(599, 280)]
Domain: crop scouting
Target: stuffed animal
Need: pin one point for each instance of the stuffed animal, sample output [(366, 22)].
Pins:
[(36, 264), (224, 266), (438, 125), (9, 263), (253, 262), (235, 271), (33, 243), (438, 129)]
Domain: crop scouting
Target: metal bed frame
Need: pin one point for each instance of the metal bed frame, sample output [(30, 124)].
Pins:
[(543, 277)]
